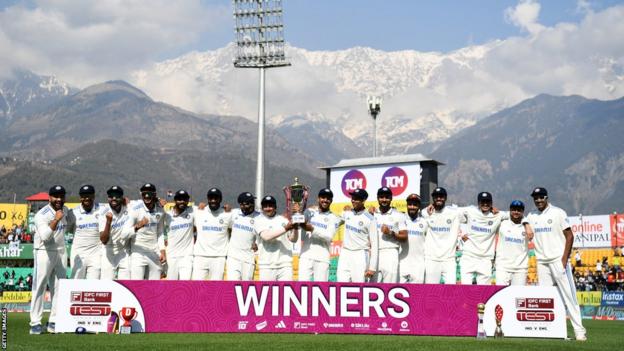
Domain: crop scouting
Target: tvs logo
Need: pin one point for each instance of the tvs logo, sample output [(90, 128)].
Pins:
[(89, 310), (396, 179), (354, 179), (535, 309)]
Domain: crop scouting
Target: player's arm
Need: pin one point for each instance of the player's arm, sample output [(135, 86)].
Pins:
[(270, 234), (569, 240), (373, 238), (46, 227), (160, 235), (401, 233), (105, 225)]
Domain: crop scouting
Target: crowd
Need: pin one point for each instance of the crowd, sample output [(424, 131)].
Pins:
[(11, 282), (15, 234), (599, 277)]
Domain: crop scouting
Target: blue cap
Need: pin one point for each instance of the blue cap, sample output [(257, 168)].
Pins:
[(516, 204)]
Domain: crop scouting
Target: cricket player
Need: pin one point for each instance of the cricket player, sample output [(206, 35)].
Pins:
[(360, 248), (479, 240), (51, 224), (412, 255), (321, 227), (441, 240), (145, 228), (553, 243), (116, 255), (392, 231), (275, 242), (213, 225), (86, 253), (240, 254), (180, 232), (512, 251)]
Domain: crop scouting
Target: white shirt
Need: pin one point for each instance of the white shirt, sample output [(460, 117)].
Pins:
[(548, 227), (150, 238), (442, 233), (87, 233), (361, 229), (395, 221), (315, 245), (413, 250), (179, 229), (45, 238), (212, 232), (482, 229), (277, 252), (117, 241), (243, 236), (512, 252)]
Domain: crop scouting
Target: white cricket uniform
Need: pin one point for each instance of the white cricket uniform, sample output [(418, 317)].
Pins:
[(356, 257), (512, 254), (211, 243), (548, 227), (478, 250), (412, 255), (147, 242), (440, 244), (49, 266), (86, 252), (116, 252), (179, 230), (315, 245), (274, 255), (389, 245), (240, 257)]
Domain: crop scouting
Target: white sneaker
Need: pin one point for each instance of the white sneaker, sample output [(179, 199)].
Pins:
[(581, 337)]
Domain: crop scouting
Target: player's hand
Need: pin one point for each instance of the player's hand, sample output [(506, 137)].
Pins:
[(126, 200), (254, 247), (430, 209), (142, 223), (59, 215), (162, 202), (369, 273), (289, 226), (495, 210), (385, 230), (529, 233), (371, 210), (296, 208), (109, 216), (163, 256), (465, 237), (227, 207), (201, 205), (347, 208)]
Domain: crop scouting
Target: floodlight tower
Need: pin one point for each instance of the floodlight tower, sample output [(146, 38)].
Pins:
[(259, 33), (374, 107)]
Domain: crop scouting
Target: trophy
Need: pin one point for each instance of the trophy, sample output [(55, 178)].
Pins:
[(498, 313), (480, 327), (296, 193), (128, 314)]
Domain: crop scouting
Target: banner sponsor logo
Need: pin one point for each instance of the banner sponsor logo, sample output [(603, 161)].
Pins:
[(589, 298), (396, 179), (15, 297), (613, 298), (354, 179), (594, 231), (11, 214), (90, 310), (16, 251)]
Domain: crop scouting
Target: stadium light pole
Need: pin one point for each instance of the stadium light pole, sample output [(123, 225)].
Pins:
[(259, 31), (374, 107)]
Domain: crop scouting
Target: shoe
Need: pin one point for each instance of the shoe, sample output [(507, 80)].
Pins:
[(581, 337), (51, 327), (36, 329)]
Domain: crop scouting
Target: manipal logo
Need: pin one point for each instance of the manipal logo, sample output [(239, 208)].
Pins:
[(396, 179), (354, 179)]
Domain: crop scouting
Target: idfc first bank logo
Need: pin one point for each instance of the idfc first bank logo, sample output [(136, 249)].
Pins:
[(354, 179), (395, 178)]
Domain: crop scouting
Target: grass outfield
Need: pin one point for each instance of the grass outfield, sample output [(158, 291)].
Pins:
[(602, 335)]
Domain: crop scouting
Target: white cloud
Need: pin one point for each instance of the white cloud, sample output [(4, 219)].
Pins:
[(90, 40), (525, 15)]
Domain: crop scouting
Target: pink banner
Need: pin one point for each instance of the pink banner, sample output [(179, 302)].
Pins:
[(293, 307)]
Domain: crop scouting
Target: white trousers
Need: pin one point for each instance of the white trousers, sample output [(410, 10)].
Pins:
[(313, 270), (239, 270), (86, 265), (470, 266), (48, 269), (282, 274), (145, 264), (115, 266), (388, 266), (413, 273), (505, 277), (549, 274), (435, 270), (210, 268), (352, 266), (179, 268)]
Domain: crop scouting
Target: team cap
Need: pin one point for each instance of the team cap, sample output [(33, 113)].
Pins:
[(181, 195), (359, 194), (56, 190), (484, 196), (86, 190), (539, 192), (439, 191), (148, 187), (384, 191), (245, 197), (268, 200), (326, 192), (413, 199), (115, 191), (214, 192)]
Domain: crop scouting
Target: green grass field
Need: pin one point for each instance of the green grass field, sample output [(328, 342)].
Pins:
[(602, 335)]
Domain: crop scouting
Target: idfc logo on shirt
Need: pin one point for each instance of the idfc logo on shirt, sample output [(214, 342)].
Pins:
[(354, 179), (395, 178)]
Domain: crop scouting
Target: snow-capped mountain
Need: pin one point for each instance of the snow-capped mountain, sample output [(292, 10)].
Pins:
[(25, 92)]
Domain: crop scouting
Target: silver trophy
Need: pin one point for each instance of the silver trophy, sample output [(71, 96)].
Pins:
[(296, 201)]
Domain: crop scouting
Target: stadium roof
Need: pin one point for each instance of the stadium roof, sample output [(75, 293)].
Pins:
[(382, 160), (42, 196)]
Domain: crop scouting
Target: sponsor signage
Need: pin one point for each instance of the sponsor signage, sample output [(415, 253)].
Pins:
[(593, 231), (617, 230), (304, 307), (613, 298), (15, 297), (16, 251), (403, 180), (589, 298), (13, 214)]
